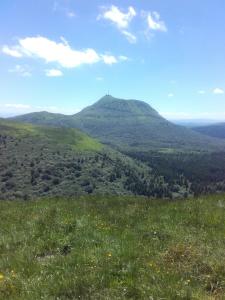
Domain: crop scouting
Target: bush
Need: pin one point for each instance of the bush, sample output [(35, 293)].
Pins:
[(55, 181)]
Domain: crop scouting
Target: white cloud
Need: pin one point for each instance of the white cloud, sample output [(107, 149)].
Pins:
[(123, 58), (109, 59), (117, 17), (218, 91), (121, 19), (11, 51), (170, 95), (61, 53), (21, 70), (154, 21), (201, 92), (129, 36), (53, 73), (99, 78)]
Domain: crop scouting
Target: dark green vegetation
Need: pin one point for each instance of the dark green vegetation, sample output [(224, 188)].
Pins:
[(128, 124), (203, 171), (38, 161), (214, 130), (112, 248)]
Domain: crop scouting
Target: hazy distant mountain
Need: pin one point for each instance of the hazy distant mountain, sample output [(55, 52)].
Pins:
[(214, 130), (190, 123), (128, 124)]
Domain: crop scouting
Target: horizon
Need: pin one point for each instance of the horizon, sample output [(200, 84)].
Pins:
[(184, 119), (167, 55)]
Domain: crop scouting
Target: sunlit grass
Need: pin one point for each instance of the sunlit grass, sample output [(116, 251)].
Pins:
[(64, 136), (112, 248)]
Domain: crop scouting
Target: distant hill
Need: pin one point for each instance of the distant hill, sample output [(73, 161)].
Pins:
[(129, 125), (190, 123), (214, 130), (42, 161)]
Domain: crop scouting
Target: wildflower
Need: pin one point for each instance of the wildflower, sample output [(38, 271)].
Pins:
[(1, 276), (109, 254)]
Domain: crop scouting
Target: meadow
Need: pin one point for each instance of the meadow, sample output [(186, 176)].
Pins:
[(112, 247)]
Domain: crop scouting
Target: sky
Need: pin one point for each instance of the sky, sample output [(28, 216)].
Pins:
[(63, 55)]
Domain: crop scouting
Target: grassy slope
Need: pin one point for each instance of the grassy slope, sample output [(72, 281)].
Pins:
[(67, 136), (112, 248)]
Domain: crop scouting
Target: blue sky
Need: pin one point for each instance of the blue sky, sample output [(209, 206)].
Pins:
[(62, 55)]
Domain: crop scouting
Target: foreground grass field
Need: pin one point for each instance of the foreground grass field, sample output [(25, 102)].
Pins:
[(113, 248)]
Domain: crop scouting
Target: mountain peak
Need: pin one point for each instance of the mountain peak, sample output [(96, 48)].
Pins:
[(128, 124), (111, 105)]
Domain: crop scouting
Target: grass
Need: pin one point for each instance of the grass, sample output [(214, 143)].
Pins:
[(112, 248), (64, 136)]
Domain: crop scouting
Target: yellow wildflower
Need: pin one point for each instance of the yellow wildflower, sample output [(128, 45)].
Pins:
[(1, 276)]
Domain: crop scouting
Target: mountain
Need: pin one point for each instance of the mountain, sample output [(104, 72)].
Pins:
[(40, 161), (129, 125), (214, 130)]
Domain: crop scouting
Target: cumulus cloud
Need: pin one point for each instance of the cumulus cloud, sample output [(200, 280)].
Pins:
[(218, 91), (109, 59), (120, 19), (53, 73), (61, 53), (12, 51), (117, 17), (155, 23)]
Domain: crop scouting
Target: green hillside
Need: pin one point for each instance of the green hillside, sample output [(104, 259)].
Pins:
[(129, 125), (112, 248), (39, 161), (58, 136), (214, 130)]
